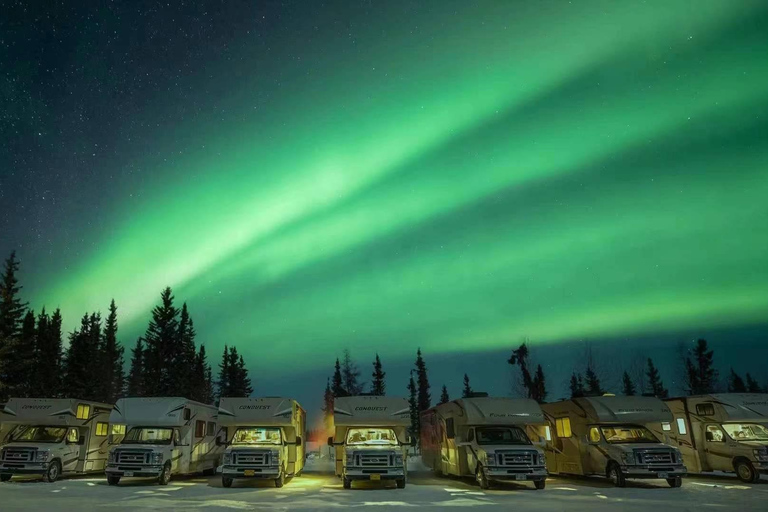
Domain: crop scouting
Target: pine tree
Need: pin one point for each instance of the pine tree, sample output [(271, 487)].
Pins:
[(113, 380), (51, 361), (40, 355), (444, 398), (328, 400), (185, 356), (20, 370), (413, 407), (136, 374), (736, 383), (350, 375), (78, 364), (245, 388), (577, 386), (752, 385), (540, 385), (224, 374), (467, 392), (700, 372), (338, 382), (378, 386), (593, 383), (425, 398), (201, 386), (535, 385), (628, 385), (162, 348), (12, 312), (654, 380)]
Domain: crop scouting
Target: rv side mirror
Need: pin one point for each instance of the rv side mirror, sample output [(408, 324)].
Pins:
[(298, 440), (709, 436), (110, 439), (81, 440), (220, 441), (330, 441)]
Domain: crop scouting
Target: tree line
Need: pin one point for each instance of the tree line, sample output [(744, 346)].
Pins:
[(165, 361)]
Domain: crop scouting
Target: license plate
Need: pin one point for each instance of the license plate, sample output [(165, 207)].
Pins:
[(375, 476), (663, 475), (519, 477), (249, 472), (128, 473)]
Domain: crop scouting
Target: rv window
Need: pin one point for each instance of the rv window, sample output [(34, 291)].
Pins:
[(102, 429), (118, 429), (211, 430), (665, 426), (681, 426), (72, 435), (594, 435), (705, 409), (186, 414), (747, 431), (714, 434), (563, 427), (83, 411), (449, 433), (199, 429), (471, 435), (547, 433), (38, 434), (148, 435)]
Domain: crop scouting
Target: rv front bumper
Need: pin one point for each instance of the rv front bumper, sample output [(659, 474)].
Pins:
[(37, 468), (653, 472), (250, 471), (123, 470), (531, 473), (389, 473)]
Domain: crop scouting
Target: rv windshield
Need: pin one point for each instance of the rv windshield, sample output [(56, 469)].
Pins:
[(257, 435), (371, 436), (747, 431), (148, 435), (501, 435), (617, 434), (40, 434)]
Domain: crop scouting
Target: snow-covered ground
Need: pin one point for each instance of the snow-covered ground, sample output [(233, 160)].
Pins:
[(319, 489)]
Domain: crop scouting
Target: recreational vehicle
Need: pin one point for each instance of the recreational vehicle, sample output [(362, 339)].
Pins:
[(53, 437), (264, 438), (486, 438), (162, 437), (721, 432), (371, 440), (607, 436)]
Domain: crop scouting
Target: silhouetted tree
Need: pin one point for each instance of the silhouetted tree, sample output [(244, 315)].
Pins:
[(378, 386), (700, 371), (12, 312), (736, 383), (654, 381), (113, 379), (20, 370), (753, 386), (244, 387), (577, 386), (136, 373), (162, 348), (234, 375), (422, 379), (185, 355), (535, 385), (413, 406), (201, 386), (328, 400), (592, 381), (628, 387), (337, 385), (467, 391), (444, 398), (81, 355), (350, 375), (224, 374)]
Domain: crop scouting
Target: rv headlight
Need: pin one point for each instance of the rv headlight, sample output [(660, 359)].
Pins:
[(42, 456), (542, 459), (490, 458), (398, 460), (227, 459), (761, 454), (628, 458), (156, 458), (274, 457), (112, 457)]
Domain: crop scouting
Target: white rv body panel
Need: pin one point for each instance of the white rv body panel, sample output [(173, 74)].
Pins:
[(455, 439), (262, 459), (190, 447), (721, 432), (580, 445), (360, 459), (30, 448)]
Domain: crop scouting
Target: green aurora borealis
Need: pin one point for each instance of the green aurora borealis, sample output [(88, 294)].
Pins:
[(552, 170)]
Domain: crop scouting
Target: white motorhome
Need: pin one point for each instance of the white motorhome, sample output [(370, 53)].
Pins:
[(264, 438), (371, 439), (53, 437), (721, 432), (485, 438), (163, 437), (607, 436)]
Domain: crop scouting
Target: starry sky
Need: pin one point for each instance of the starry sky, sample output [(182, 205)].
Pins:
[(453, 175)]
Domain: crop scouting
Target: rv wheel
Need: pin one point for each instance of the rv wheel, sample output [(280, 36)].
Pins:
[(482, 479), (226, 482), (746, 471), (165, 476), (539, 484), (5, 478), (400, 483), (675, 481), (54, 470), (113, 480), (209, 472), (615, 475), (346, 482), (280, 480)]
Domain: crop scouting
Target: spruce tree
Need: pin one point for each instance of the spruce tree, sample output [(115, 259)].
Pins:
[(424, 397), (467, 391), (20, 370), (78, 367), (245, 387), (736, 383), (378, 386), (113, 380), (592, 381), (185, 355), (654, 380), (540, 385), (701, 375), (12, 312), (162, 348), (40, 360), (351, 375), (752, 385), (577, 386), (413, 407), (201, 386), (627, 385), (444, 398), (224, 374), (328, 400), (136, 374), (534, 384), (338, 382)]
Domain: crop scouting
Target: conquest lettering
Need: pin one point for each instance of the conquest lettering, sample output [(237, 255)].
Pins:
[(36, 406), (363, 408), (250, 407)]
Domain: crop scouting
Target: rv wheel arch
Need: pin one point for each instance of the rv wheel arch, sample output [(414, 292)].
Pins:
[(745, 470), (53, 472)]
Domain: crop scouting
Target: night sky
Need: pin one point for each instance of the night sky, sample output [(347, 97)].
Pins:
[(453, 175)]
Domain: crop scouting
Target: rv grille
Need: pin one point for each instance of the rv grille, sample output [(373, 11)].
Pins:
[(374, 459), (132, 457), (250, 458), (663, 457), (517, 458), (18, 455)]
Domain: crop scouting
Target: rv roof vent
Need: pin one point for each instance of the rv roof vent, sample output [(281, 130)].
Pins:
[(478, 394)]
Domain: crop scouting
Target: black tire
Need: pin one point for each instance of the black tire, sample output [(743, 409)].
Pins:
[(53, 472), (113, 480), (165, 475), (5, 478), (227, 482), (482, 478), (615, 475), (540, 484), (346, 483), (675, 481), (400, 482), (280, 480), (746, 471)]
